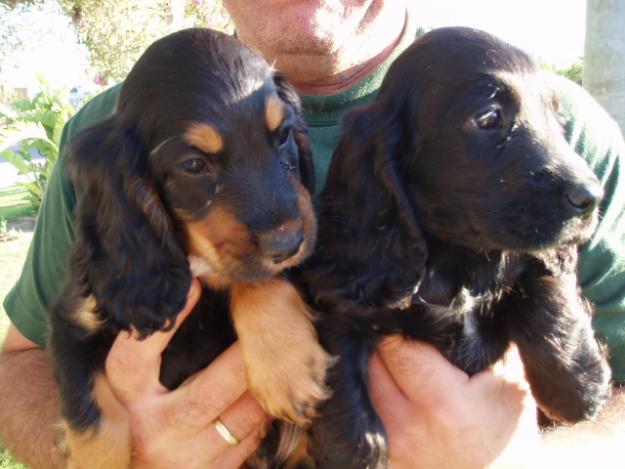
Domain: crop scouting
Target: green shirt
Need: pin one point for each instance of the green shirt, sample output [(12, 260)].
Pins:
[(590, 131)]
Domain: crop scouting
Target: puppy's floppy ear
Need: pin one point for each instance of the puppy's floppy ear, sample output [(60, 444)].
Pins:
[(125, 253), (371, 248), (288, 94)]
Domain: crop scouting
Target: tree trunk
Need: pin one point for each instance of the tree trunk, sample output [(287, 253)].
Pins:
[(604, 55)]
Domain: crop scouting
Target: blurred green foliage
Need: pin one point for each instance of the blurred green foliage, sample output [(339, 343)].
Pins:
[(30, 133)]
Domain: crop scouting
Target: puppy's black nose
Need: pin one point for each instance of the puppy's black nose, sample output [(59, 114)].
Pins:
[(584, 198), (281, 244)]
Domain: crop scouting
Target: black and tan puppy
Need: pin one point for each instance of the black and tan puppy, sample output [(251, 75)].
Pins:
[(204, 162), (474, 209)]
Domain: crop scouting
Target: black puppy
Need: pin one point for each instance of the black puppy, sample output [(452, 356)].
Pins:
[(206, 158), (452, 213)]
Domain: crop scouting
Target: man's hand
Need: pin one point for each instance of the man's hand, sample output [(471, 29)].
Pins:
[(437, 416), (176, 428), (169, 428)]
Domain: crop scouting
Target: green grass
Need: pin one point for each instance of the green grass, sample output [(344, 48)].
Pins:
[(14, 203), (12, 254)]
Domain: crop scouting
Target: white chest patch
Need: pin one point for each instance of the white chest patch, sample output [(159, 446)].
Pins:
[(199, 267)]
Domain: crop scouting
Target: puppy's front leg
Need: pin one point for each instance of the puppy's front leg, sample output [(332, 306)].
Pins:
[(348, 433), (565, 366), (286, 366)]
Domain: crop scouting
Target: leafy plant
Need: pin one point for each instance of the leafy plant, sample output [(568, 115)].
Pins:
[(116, 33), (31, 136), (573, 72)]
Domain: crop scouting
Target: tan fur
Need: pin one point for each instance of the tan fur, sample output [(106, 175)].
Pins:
[(286, 366), (274, 112), (109, 445), (147, 198), (204, 137), (302, 141), (299, 456), (223, 242), (228, 247), (87, 315)]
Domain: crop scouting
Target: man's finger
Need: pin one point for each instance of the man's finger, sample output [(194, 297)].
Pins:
[(133, 366), (381, 382), (420, 371), (510, 366), (204, 397), (245, 420), (235, 457), (507, 373), (388, 399)]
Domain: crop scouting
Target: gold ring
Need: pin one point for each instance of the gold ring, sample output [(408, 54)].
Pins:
[(225, 433)]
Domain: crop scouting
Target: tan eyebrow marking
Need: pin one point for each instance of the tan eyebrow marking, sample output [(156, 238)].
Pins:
[(205, 137), (274, 112)]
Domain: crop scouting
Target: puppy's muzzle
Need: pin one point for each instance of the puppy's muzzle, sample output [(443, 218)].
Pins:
[(281, 243)]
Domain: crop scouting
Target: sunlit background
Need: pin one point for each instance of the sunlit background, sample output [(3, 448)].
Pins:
[(551, 30)]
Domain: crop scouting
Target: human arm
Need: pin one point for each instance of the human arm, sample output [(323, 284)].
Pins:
[(167, 427), (28, 402)]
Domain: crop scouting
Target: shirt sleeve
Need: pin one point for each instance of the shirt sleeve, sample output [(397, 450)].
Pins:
[(596, 137), (44, 270)]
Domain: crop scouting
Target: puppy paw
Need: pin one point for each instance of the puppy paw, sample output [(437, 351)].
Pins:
[(348, 437), (288, 379), (286, 366), (578, 396)]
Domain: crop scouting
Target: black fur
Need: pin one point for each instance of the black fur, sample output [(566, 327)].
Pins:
[(452, 214), (140, 188)]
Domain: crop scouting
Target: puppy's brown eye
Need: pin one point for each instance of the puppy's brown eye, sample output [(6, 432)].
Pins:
[(195, 166), (489, 120), (285, 135)]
